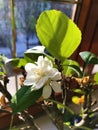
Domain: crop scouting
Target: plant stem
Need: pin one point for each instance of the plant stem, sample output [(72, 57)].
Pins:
[(29, 120), (11, 124), (13, 28), (4, 91)]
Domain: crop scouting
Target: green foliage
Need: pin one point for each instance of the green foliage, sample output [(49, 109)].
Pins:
[(61, 37), (22, 62), (88, 57), (13, 62), (2, 65), (31, 55), (16, 62), (1, 73), (96, 78), (76, 69), (80, 91), (71, 67), (58, 34), (24, 98)]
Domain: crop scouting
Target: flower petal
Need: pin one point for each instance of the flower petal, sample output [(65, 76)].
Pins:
[(56, 86), (30, 66), (41, 82), (30, 79), (47, 91), (75, 99), (57, 76), (44, 63)]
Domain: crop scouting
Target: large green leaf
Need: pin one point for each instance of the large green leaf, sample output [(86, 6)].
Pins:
[(58, 33), (88, 57), (24, 98)]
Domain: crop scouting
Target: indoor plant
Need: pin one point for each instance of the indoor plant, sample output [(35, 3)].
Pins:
[(49, 73)]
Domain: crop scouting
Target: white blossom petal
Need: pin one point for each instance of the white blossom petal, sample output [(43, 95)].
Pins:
[(40, 61), (41, 82), (30, 67), (56, 86), (55, 74), (44, 63), (48, 62), (47, 91), (30, 79)]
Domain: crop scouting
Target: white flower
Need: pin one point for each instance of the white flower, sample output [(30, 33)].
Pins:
[(42, 74)]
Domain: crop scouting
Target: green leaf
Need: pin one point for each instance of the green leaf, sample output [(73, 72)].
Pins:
[(16, 62), (24, 98), (88, 57), (71, 67), (67, 126), (2, 73), (31, 57), (33, 53), (2, 67), (77, 70), (96, 77), (78, 91), (13, 62), (58, 33), (22, 62)]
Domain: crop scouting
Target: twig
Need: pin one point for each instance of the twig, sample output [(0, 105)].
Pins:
[(95, 110), (4, 91)]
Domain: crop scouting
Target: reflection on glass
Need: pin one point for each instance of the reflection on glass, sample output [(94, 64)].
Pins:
[(5, 28), (26, 14)]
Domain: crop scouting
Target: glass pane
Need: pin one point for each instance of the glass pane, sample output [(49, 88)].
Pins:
[(5, 28), (26, 14)]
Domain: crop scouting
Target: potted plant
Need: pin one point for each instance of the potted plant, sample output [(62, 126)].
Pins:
[(48, 72)]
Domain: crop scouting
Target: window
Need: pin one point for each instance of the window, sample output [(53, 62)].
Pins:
[(26, 13)]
